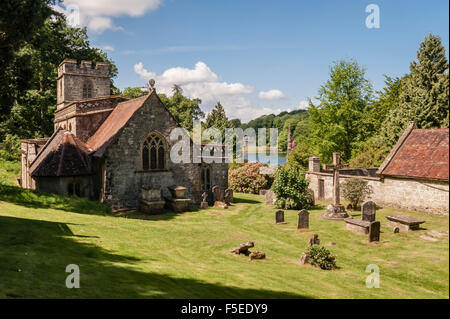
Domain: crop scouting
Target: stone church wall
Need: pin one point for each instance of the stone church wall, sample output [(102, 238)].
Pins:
[(123, 171), (411, 194)]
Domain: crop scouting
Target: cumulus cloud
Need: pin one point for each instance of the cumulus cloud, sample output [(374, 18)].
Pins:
[(303, 105), (198, 82), (201, 82), (97, 14), (271, 95)]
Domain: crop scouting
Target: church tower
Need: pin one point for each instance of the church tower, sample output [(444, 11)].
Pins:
[(80, 81)]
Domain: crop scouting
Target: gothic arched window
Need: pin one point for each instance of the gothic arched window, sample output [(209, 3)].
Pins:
[(206, 177), (87, 90), (153, 152)]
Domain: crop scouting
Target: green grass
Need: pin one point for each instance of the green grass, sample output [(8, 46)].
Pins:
[(9, 172), (187, 255)]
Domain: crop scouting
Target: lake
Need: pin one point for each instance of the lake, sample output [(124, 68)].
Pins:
[(281, 158)]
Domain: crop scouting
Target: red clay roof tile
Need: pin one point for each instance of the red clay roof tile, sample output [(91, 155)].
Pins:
[(423, 154)]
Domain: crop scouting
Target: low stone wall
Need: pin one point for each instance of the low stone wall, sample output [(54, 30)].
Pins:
[(412, 194)]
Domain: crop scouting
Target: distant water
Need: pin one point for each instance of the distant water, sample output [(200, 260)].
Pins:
[(281, 158)]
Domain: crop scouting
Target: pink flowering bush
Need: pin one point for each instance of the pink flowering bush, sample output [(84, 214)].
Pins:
[(247, 178)]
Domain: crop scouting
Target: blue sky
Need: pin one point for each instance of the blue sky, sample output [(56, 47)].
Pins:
[(249, 47)]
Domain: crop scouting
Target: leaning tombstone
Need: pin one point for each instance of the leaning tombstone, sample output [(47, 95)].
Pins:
[(303, 219), (368, 211), (279, 217), (374, 231), (228, 197)]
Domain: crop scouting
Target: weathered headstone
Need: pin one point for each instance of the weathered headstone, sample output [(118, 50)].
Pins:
[(243, 248), (218, 193), (303, 219), (374, 231), (257, 255), (304, 258), (228, 198), (204, 203), (279, 217), (314, 240), (368, 210)]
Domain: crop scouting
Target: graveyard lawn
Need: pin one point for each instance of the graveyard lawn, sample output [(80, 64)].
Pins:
[(186, 255)]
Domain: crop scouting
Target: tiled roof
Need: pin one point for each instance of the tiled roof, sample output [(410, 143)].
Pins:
[(419, 153), (115, 121), (63, 155)]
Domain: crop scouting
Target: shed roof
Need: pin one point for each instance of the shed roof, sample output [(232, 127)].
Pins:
[(419, 153), (63, 155)]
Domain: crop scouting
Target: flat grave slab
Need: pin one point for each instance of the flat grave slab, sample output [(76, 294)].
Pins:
[(405, 223), (357, 225)]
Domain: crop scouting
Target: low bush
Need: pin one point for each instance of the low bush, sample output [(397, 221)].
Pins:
[(290, 188), (321, 257), (248, 179), (355, 190)]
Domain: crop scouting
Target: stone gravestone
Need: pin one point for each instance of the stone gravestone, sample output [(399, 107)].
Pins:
[(303, 219), (368, 210), (374, 231), (279, 217), (314, 240), (218, 193), (228, 197), (204, 203)]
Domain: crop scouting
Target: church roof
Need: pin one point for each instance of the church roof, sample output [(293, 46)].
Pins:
[(419, 153), (112, 125), (63, 155)]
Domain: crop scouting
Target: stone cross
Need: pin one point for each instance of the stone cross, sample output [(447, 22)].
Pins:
[(336, 166), (303, 219), (279, 217), (368, 210)]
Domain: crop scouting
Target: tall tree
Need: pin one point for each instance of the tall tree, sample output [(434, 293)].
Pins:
[(218, 119), (31, 77), (184, 110), (425, 94), (338, 122)]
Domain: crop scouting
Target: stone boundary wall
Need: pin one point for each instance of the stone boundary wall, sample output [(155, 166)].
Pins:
[(411, 194)]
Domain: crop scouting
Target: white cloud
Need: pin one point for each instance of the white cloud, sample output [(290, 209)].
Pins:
[(97, 14), (201, 82), (271, 95), (107, 48), (303, 105)]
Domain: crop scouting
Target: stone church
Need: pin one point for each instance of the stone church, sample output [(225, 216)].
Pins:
[(108, 148)]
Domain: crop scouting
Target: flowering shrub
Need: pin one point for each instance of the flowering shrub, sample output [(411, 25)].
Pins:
[(290, 188), (321, 257), (247, 178)]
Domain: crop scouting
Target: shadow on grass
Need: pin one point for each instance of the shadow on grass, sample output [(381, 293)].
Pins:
[(39, 251), (245, 201), (36, 199)]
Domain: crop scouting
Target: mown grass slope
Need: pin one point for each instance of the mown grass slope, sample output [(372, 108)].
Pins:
[(187, 255)]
